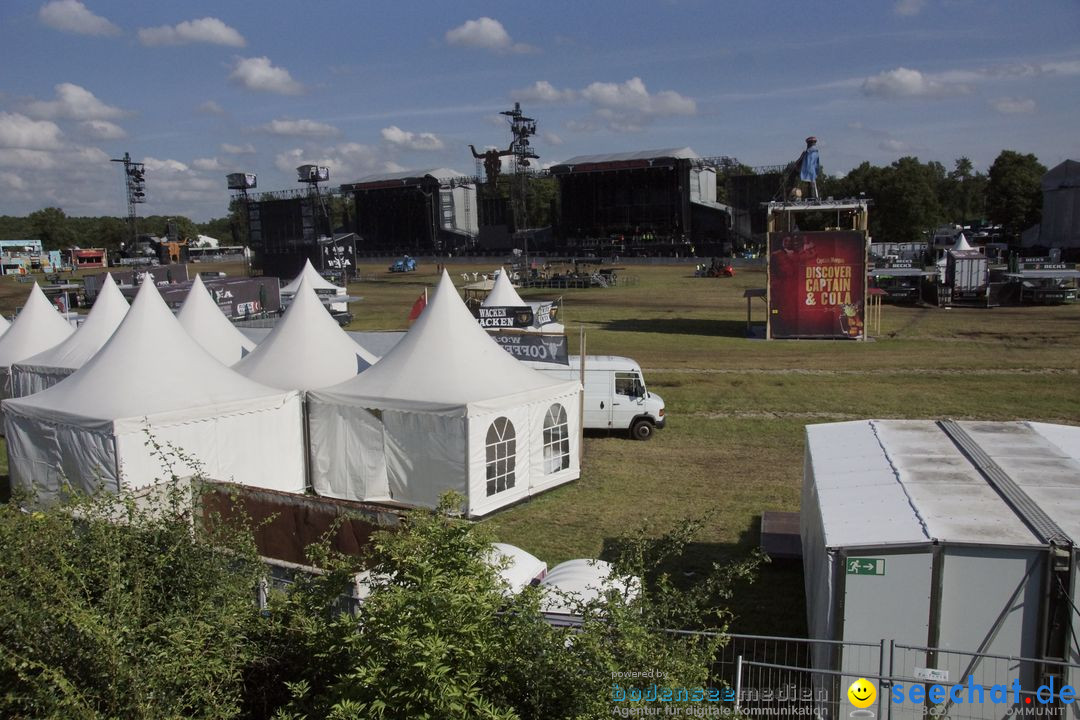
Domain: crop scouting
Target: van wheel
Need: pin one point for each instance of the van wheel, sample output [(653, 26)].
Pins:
[(642, 430)]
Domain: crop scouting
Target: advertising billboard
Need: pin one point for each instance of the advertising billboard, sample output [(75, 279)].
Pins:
[(817, 284)]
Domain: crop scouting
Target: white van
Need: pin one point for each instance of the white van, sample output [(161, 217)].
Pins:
[(615, 394)]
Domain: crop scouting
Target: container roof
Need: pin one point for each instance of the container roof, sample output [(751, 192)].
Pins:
[(888, 482)]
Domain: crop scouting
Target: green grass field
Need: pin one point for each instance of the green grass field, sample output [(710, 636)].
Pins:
[(737, 407)]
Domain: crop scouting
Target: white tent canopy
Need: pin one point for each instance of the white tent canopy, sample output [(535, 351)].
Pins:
[(38, 327), (306, 349), (4, 324), (445, 409), (49, 367), (503, 294), (152, 382), (314, 279), (204, 321), (517, 567), (583, 581), (962, 243)]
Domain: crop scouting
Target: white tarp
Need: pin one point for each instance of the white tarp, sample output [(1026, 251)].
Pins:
[(4, 324), (417, 423), (49, 367), (204, 321), (152, 384), (516, 566), (306, 349), (38, 327)]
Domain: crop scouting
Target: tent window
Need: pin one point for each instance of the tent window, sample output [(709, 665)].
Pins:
[(556, 440), (501, 455)]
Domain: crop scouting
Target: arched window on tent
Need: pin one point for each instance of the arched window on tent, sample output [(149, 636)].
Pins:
[(501, 455), (556, 440)]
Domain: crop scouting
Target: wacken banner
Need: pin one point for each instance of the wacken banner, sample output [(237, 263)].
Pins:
[(340, 254), (502, 317), (529, 346), (548, 312)]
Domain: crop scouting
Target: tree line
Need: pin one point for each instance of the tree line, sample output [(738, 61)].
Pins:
[(910, 197)]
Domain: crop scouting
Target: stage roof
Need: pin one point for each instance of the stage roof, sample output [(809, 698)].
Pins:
[(625, 160), (402, 179)]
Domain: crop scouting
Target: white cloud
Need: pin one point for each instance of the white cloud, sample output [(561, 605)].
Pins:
[(75, 103), (166, 166), (73, 17), (258, 73), (1014, 106), (543, 91), (207, 164), (204, 30), (909, 8), (633, 96), (347, 161), (245, 149), (893, 146), (19, 131), (413, 141), (905, 82), (211, 108), (304, 128), (104, 130), (12, 182), (551, 138), (47, 160), (486, 34)]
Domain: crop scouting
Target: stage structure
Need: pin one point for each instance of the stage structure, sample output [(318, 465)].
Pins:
[(817, 278), (135, 185), (285, 227), (651, 202), (416, 211)]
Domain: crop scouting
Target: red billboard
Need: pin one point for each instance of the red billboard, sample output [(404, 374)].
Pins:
[(817, 284)]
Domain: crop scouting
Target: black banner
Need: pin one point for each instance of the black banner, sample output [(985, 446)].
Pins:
[(529, 346), (500, 317)]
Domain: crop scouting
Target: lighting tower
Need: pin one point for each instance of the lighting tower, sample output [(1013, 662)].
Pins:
[(521, 153), (315, 209), (135, 182)]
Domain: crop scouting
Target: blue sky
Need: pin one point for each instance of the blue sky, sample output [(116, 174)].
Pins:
[(199, 89)]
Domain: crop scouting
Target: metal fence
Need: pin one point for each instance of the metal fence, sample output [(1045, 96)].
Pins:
[(775, 676)]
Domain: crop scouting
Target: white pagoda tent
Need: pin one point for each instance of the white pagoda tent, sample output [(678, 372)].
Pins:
[(318, 283), (4, 324), (49, 367), (204, 321), (445, 409), (306, 349), (38, 327), (152, 384), (503, 294)]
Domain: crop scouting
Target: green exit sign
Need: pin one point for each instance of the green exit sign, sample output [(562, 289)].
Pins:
[(865, 566)]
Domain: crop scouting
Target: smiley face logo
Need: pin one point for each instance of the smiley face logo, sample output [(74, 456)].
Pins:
[(862, 693)]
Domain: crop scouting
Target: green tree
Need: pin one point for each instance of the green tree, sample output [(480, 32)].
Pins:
[(114, 606), (907, 200), (52, 227), (963, 196), (1014, 192), (439, 635)]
